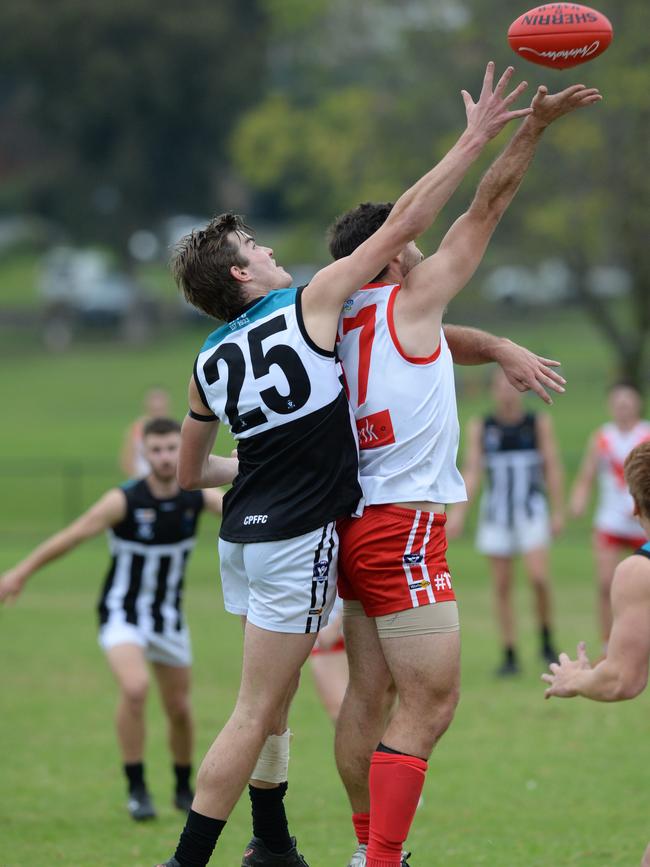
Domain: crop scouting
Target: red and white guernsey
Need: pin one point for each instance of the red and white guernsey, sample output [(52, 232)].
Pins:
[(614, 512), (405, 408)]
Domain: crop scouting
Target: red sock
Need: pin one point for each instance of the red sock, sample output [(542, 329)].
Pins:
[(396, 782), (361, 822)]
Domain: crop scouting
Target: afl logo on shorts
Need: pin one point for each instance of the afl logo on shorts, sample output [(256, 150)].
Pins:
[(321, 570), (413, 559)]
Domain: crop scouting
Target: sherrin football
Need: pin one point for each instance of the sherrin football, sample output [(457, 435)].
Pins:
[(560, 35)]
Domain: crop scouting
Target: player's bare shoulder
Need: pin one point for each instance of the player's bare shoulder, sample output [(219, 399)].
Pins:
[(631, 583)]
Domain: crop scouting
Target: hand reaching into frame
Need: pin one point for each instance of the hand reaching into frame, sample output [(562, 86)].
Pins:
[(491, 112), (562, 676), (526, 371), (548, 107)]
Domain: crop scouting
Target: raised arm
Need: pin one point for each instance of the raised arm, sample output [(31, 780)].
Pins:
[(523, 369), (197, 466), (583, 485), (553, 470), (106, 512), (413, 212), (434, 282), (623, 673)]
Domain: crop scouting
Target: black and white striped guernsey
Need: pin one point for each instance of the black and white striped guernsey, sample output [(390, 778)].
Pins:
[(514, 488), (284, 401), (149, 549)]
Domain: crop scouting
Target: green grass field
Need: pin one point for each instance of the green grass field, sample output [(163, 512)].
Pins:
[(516, 781)]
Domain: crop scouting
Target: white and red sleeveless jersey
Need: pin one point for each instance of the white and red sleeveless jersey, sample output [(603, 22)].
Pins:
[(615, 505), (405, 408)]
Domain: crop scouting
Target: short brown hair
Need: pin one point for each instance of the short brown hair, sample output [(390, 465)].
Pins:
[(354, 227), (201, 267), (637, 476), (161, 426)]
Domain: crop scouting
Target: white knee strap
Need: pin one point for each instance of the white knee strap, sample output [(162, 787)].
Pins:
[(273, 763)]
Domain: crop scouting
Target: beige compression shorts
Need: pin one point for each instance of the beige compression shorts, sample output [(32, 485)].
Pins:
[(423, 620)]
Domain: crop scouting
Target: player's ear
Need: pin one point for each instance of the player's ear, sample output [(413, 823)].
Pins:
[(636, 511), (240, 274)]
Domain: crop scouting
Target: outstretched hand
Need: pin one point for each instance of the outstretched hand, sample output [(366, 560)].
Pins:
[(11, 584), (562, 676), (524, 370), (547, 107), (491, 113)]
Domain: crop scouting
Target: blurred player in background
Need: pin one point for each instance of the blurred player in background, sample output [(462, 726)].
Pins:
[(616, 533), (272, 374), (133, 462), (400, 614), (623, 672), (329, 664), (151, 526), (518, 451)]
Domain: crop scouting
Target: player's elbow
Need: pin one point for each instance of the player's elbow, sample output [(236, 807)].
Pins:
[(634, 686), (487, 211), (187, 477), (629, 684)]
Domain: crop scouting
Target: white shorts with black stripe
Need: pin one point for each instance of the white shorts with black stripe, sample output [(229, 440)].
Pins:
[(169, 648), (285, 586)]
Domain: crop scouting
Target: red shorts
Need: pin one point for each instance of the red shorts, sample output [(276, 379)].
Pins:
[(392, 559), (611, 540)]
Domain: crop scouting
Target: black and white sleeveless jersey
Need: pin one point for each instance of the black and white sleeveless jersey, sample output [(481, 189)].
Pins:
[(284, 401), (150, 548), (514, 487)]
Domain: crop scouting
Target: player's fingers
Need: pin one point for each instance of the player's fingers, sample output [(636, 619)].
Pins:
[(519, 384), (549, 362), (554, 667), (521, 112), (503, 81), (590, 100), (542, 91), (549, 382), (547, 678), (516, 93), (582, 652), (555, 384), (564, 658), (540, 391), (488, 79), (548, 366), (467, 99)]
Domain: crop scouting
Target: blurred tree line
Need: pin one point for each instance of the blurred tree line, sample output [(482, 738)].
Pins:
[(115, 114)]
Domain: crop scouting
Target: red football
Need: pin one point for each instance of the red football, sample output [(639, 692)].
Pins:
[(560, 35)]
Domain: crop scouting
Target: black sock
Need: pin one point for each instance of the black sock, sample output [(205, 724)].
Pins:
[(545, 635), (511, 655), (269, 817), (198, 840), (382, 748), (182, 774), (135, 775)]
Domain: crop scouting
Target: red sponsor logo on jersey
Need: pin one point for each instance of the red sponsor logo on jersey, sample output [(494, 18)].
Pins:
[(375, 430)]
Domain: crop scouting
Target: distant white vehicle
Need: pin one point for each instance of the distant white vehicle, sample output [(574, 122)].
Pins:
[(81, 289), (551, 282)]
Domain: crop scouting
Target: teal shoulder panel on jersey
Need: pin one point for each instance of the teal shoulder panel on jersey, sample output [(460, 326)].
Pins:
[(129, 484), (275, 300)]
